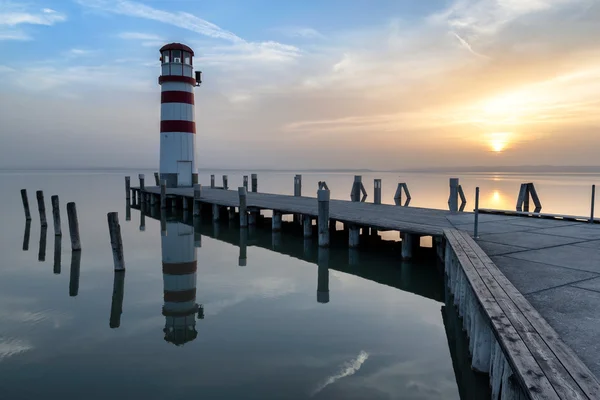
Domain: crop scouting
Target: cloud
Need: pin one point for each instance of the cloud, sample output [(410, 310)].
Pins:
[(147, 39), (13, 35), (45, 17), (300, 32), (347, 369)]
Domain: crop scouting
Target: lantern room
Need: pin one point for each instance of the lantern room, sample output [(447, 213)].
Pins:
[(177, 59)]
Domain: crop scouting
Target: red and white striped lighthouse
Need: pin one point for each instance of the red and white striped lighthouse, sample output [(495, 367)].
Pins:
[(177, 122), (179, 283)]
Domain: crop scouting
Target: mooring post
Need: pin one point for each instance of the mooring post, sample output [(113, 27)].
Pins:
[(593, 202), (25, 204), (127, 187), (56, 215), (377, 191), (127, 211), (197, 195), (353, 236), (453, 200), (41, 207), (307, 226), (242, 191), (212, 181), (43, 235), (74, 275), (116, 306), (276, 221), (245, 182), (355, 193), (476, 216), (323, 220), (407, 245), (157, 179), (57, 253), (142, 185), (116, 242), (225, 183), (163, 194), (323, 275), (254, 183), (216, 210), (73, 226), (298, 185)]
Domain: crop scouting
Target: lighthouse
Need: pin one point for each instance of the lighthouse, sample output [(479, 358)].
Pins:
[(179, 284), (177, 123)]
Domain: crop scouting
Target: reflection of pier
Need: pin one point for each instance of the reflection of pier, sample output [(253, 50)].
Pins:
[(179, 266)]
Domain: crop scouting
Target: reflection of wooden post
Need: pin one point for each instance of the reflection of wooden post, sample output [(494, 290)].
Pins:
[(25, 204), (276, 221), (56, 215), (163, 194), (197, 196), (116, 241), (323, 275), (323, 220), (26, 235), (242, 191), (57, 253), (353, 236), (409, 241), (42, 253), (73, 226), (116, 307), (41, 207), (216, 212), (74, 276), (307, 226), (243, 259), (163, 223), (127, 188), (127, 212)]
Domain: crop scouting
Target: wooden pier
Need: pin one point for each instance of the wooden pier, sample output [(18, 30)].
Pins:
[(528, 352)]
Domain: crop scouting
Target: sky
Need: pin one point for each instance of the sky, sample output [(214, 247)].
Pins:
[(305, 84)]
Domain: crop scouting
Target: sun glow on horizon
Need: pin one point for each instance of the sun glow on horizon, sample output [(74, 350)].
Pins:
[(498, 141)]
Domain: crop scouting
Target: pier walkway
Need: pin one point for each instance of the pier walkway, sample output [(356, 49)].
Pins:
[(554, 263)]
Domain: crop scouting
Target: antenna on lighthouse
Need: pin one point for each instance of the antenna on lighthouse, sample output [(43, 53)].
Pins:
[(198, 78)]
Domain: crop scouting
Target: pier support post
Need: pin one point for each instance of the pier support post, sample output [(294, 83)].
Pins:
[(231, 213), (127, 187), (323, 220), (56, 215), (307, 226), (216, 211), (73, 226), (197, 196), (252, 218), (276, 221), (212, 181), (408, 243), (242, 191), (185, 203), (116, 242), (157, 179), (25, 204), (254, 183), (163, 194), (354, 236), (453, 200), (225, 182), (41, 207), (323, 276), (245, 182)]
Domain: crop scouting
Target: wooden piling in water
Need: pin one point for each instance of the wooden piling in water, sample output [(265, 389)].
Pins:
[(212, 181), (25, 204), (298, 185), (157, 179), (127, 188), (242, 191), (41, 207), (163, 194), (353, 236), (142, 184), (225, 182), (26, 235), (276, 221), (56, 215), (43, 236), (197, 195), (307, 226), (453, 199), (377, 191), (216, 210), (253, 218), (73, 226), (355, 193), (116, 242), (408, 243), (254, 183), (323, 219)]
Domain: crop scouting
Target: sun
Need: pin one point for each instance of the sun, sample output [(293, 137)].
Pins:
[(498, 141)]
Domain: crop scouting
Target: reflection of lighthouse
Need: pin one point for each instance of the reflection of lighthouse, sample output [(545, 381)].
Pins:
[(179, 279)]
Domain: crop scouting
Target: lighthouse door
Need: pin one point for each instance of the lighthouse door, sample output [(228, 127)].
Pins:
[(184, 173)]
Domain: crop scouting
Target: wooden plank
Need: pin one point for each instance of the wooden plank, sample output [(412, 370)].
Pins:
[(577, 370), (537, 215)]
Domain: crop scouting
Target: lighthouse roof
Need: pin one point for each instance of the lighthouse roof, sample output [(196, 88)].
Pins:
[(177, 46)]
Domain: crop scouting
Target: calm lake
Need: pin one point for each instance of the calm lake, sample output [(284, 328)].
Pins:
[(295, 322)]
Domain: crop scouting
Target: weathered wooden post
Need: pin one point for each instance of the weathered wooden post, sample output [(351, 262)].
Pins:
[(353, 236), (56, 215), (127, 212), (41, 207), (128, 188), (355, 193), (298, 185), (157, 179), (116, 306), (276, 221), (74, 275), (307, 226), (197, 195), (25, 204), (377, 191), (163, 222), (408, 243), (163, 194), (212, 181), (142, 186), (225, 182), (453, 200), (57, 253), (73, 226), (254, 183), (116, 242), (43, 235), (593, 203), (216, 211), (323, 219), (476, 216), (243, 258), (245, 182), (26, 235), (253, 218), (242, 191), (323, 275)]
